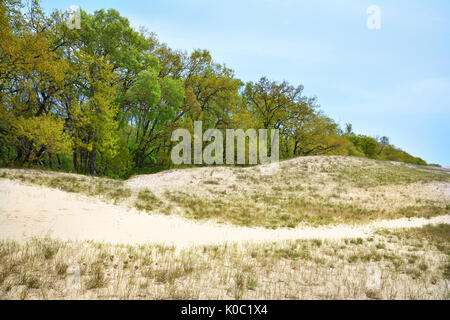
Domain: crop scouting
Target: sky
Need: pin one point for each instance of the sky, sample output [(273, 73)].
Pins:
[(393, 81)]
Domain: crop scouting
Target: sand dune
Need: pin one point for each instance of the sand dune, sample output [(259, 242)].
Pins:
[(34, 211)]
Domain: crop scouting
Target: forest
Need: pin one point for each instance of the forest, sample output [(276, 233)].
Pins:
[(104, 99)]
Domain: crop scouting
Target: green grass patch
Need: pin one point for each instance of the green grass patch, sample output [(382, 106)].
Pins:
[(147, 201), (110, 189)]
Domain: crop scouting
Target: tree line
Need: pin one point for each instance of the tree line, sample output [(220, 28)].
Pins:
[(105, 98)]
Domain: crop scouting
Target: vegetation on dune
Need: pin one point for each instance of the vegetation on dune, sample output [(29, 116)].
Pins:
[(312, 191), (109, 189), (318, 191), (147, 201), (290, 211), (412, 264), (105, 98)]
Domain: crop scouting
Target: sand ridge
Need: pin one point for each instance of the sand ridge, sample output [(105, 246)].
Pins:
[(35, 211)]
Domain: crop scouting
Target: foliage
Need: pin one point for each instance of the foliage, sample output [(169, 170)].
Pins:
[(104, 99)]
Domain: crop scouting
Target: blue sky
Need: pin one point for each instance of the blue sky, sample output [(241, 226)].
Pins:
[(394, 81)]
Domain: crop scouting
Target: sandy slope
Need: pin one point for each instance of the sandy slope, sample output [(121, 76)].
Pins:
[(28, 211)]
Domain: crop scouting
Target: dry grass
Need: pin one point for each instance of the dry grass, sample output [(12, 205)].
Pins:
[(308, 191), (317, 191), (413, 264), (147, 201), (108, 189)]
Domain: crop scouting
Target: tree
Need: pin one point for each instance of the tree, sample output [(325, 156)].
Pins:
[(383, 142), (112, 96), (348, 128), (45, 134), (211, 90), (271, 102), (91, 111), (31, 75), (153, 103), (365, 144), (314, 134)]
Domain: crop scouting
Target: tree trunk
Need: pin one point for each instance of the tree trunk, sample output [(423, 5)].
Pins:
[(59, 161), (295, 148), (19, 155), (93, 162), (75, 160), (139, 158), (50, 160)]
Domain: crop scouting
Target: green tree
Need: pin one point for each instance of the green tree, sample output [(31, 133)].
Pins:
[(365, 144), (153, 102), (31, 75), (271, 102)]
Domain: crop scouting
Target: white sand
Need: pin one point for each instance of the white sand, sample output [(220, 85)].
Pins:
[(30, 211)]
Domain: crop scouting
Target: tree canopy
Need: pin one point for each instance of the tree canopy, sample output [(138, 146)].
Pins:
[(104, 99)]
